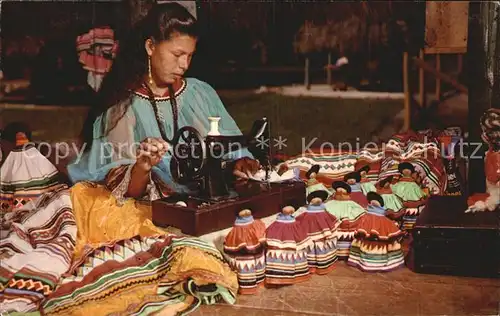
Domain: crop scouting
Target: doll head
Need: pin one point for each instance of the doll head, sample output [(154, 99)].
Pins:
[(245, 213), (341, 188), (317, 197), (288, 210), (363, 171), (312, 172), (406, 169), (16, 134), (374, 199), (352, 178), (490, 124)]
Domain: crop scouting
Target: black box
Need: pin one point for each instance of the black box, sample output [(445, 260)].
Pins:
[(446, 240)]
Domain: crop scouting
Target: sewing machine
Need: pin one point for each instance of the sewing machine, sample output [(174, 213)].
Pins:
[(200, 163)]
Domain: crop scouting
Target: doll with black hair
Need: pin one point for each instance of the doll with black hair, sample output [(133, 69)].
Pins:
[(407, 188), (312, 183), (392, 202), (353, 180), (348, 212), (320, 227), (25, 173), (376, 245), (365, 183), (287, 244)]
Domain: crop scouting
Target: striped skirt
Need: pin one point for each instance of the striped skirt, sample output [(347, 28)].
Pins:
[(250, 270), (376, 256)]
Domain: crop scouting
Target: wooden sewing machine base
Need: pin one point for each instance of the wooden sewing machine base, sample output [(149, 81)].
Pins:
[(200, 218)]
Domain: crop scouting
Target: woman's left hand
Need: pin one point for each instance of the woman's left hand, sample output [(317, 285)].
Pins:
[(245, 168)]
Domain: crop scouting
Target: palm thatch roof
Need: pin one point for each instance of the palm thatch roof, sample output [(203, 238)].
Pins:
[(363, 29)]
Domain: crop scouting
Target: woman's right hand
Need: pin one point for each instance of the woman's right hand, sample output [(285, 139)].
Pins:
[(150, 152)]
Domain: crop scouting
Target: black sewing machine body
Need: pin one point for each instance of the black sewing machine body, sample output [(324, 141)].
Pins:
[(205, 162)]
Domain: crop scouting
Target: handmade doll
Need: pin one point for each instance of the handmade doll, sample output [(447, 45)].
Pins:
[(407, 188), (320, 227), (25, 173), (312, 183), (365, 183), (376, 246), (245, 245), (348, 212), (353, 179), (393, 203), (490, 124), (286, 252)]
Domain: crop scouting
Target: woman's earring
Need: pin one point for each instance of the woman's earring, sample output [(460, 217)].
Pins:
[(149, 71)]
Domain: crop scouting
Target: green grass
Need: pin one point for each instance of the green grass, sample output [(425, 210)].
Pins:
[(293, 118), (302, 119)]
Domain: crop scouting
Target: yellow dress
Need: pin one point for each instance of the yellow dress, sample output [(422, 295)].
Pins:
[(99, 218)]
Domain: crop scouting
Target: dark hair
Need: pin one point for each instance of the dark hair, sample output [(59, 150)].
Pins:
[(161, 23), (10, 131)]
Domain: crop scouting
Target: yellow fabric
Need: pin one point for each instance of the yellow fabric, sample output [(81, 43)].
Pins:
[(123, 302), (99, 219)]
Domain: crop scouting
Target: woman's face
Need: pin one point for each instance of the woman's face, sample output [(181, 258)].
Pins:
[(170, 59)]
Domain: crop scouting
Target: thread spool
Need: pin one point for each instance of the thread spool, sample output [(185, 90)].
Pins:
[(214, 126)]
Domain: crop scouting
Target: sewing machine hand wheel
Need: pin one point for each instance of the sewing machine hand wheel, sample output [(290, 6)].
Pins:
[(189, 155)]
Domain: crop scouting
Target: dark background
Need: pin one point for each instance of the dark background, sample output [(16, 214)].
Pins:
[(38, 40)]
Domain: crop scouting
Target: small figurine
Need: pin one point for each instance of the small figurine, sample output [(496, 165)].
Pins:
[(312, 183), (245, 245), (25, 165), (320, 227), (489, 201), (348, 212), (356, 194), (393, 202), (365, 183), (376, 246), (407, 188), (286, 253)]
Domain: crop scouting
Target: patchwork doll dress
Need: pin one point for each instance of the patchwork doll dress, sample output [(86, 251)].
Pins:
[(24, 176), (320, 227), (286, 252), (376, 245)]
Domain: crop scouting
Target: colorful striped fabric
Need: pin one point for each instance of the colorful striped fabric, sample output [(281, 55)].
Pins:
[(412, 147), (139, 276), (286, 253), (25, 175), (376, 256), (36, 251)]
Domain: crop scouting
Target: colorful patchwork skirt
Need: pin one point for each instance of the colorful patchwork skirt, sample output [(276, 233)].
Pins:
[(244, 245), (286, 253), (322, 250), (25, 175), (376, 245)]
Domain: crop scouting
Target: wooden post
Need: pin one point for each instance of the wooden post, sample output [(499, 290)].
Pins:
[(438, 81), (329, 70), (421, 82), (406, 87), (479, 92), (460, 63), (307, 82)]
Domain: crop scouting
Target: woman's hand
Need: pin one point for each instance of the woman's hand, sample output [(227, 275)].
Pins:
[(150, 153), (246, 168)]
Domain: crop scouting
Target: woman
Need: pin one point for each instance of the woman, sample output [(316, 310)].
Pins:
[(143, 100), (119, 262)]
